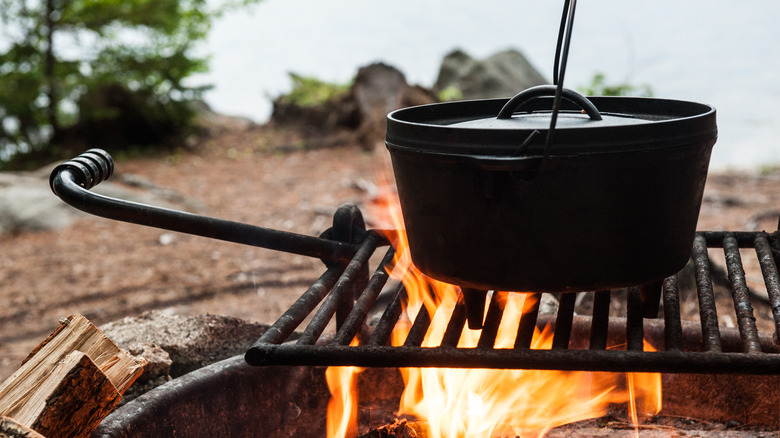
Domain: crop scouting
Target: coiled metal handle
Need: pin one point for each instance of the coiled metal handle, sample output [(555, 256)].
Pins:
[(72, 180), (88, 169)]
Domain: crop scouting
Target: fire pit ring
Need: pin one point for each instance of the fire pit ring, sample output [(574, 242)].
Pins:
[(231, 398)]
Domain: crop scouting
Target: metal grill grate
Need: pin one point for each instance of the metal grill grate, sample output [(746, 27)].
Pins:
[(687, 347)]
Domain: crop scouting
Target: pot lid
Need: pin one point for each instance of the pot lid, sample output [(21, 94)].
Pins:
[(588, 116), (584, 125), (541, 120)]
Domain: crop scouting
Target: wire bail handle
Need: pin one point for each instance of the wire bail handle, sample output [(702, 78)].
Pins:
[(559, 72)]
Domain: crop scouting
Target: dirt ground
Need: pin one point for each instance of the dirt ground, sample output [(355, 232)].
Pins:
[(107, 270)]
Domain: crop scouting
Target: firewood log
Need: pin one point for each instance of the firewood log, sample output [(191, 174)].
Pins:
[(70, 382)]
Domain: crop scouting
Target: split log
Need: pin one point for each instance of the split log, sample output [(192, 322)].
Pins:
[(10, 428), (399, 428), (70, 382)]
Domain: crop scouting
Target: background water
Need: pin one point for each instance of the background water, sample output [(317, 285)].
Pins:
[(723, 53)]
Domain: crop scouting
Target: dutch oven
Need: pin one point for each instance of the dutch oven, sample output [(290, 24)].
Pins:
[(612, 201)]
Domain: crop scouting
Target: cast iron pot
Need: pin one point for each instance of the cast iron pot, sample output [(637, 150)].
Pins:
[(613, 201)]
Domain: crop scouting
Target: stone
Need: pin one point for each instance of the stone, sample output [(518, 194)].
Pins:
[(28, 204), (191, 342), (361, 112), (503, 74), (378, 90)]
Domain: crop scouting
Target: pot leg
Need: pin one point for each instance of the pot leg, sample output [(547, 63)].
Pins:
[(475, 306)]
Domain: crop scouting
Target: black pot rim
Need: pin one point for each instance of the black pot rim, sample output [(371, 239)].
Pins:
[(661, 123)]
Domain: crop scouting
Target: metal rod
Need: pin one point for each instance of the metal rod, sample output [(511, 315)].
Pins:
[(419, 327), (771, 278), (493, 320), (560, 69), (363, 305), (599, 323), (286, 324), (455, 325), (744, 310), (708, 314), (672, 323), (65, 186), (567, 360), (343, 286), (527, 325), (714, 239), (563, 321), (559, 45), (389, 318), (634, 320)]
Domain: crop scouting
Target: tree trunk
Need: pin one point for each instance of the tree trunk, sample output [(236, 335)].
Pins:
[(48, 66)]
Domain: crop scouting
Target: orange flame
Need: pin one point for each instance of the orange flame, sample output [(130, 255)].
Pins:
[(342, 406), (488, 402)]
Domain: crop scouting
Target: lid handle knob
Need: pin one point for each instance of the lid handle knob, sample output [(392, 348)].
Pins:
[(529, 94)]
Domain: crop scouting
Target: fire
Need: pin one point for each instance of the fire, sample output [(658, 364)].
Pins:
[(488, 402), (342, 407)]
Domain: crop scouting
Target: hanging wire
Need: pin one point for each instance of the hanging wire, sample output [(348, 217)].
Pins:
[(559, 68), (561, 32)]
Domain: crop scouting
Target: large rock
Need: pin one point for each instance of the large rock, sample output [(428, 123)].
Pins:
[(360, 112), (191, 342), (28, 204), (173, 345), (378, 90), (503, 74)]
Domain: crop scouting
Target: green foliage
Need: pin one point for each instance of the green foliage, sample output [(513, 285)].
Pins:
[(450, 93), (64, 56), (310, 92), (600, 87)]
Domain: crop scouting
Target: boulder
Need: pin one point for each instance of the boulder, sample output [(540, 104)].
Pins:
[(173, 345), (503, 74), (378, 90), (191, 342), (28, 204), (360, 112)]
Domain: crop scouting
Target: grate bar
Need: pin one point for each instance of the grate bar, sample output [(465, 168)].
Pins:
[(343, 286), (389, 318), (634, 319), (672, 324), (599, 324), (420, 326), (771, 278), (487, 338), (293, 317), (567, 360), (744, 310), (563, 322), (456, 323), (525, 329), (714, 239), (707, 311), (363, 305)]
